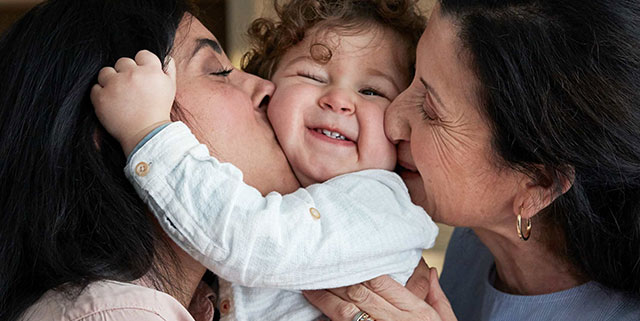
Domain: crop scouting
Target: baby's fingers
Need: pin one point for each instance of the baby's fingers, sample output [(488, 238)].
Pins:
[(124, 64), (95, 94), (105, 75), (147, 58)]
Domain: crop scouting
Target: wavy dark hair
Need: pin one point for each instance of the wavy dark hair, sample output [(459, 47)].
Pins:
[(270, 39), (69, 216), (560, 85)]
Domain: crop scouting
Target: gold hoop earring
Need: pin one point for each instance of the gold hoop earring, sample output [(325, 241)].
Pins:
[(519, 227)]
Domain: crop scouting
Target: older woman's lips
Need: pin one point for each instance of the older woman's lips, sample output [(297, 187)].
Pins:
[(404, 166), (407, 171)]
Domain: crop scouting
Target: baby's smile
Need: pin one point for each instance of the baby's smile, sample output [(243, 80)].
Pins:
[(331, 134), (329, 116)]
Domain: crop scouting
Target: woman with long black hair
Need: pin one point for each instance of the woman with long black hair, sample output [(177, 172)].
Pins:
[(76, 243)]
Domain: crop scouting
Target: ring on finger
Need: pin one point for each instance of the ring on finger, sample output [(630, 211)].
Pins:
[(362, 316)]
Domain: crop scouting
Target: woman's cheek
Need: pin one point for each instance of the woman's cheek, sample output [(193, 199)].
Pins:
[(429, 183)]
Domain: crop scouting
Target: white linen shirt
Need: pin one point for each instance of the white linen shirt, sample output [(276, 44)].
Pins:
[(346, 230)]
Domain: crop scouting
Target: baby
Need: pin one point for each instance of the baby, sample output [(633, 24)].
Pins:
[(352, 221)]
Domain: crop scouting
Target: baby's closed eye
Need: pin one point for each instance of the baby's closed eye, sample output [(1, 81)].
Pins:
[(312, 76)]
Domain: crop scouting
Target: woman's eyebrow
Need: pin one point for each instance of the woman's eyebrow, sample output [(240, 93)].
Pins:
[(204, 43)]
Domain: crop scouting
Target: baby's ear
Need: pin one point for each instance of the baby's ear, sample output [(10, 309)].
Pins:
[(538, 191)]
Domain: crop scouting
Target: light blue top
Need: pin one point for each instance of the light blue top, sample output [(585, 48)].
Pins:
[(467, 278)]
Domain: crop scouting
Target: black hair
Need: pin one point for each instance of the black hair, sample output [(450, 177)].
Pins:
[(560, 86), (69, 216)]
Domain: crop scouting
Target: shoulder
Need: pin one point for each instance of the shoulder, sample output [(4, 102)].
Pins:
[(590, 301), (465, 281), (108, 300), (609, 304), (465, 272), (465, 251)]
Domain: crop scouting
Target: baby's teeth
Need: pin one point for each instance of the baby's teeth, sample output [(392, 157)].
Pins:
[(333, 134)]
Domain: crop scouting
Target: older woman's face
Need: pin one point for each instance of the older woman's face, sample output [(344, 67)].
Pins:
[(444, 141), (224, 110)]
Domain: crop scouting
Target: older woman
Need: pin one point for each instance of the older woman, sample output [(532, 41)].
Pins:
[(76, 243), (522, 124)]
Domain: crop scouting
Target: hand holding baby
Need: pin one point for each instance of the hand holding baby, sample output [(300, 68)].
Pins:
[(134, 97)]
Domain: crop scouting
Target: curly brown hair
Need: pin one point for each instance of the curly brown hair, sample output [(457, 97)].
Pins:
[(271, 38)]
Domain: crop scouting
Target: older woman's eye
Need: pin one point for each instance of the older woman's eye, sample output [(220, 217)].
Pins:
[(427, 112), (222, 73)]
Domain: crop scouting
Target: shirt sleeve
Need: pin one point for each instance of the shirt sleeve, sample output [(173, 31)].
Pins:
[(146, 139), (347, 230)]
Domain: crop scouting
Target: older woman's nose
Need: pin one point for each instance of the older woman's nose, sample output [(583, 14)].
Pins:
[(338, 100), (396, 123)]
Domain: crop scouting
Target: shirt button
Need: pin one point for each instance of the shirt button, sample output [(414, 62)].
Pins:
[(314, 213), (142, 169), (225, 306)]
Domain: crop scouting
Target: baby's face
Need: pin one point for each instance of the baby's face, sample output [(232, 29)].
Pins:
[(328, 117)]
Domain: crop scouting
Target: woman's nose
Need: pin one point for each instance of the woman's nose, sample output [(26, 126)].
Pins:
[(396, 123), (260, 90), (338, 100)]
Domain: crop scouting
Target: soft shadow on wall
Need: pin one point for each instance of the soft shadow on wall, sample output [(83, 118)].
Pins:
[(11, 10)]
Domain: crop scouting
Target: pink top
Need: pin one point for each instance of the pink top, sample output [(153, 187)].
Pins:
[(112, 300)]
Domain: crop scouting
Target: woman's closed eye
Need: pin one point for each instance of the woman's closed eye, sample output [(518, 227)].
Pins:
[(224, 72), (426, 109)]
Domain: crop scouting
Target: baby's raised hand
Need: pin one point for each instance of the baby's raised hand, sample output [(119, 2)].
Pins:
[(134, 97)]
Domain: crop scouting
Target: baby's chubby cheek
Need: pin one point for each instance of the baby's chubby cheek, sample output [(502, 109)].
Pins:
[(380, 155), (375, 150), (383, 150), (391, 157)]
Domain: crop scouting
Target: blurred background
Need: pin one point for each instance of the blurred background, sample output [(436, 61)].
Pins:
[(228, 20)]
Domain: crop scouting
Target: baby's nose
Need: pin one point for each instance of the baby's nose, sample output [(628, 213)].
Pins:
[(339, 101)]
